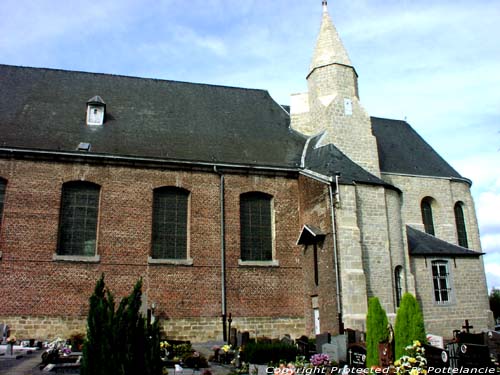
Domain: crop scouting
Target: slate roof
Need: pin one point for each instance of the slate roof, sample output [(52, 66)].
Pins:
[(402, 150), (46, 109), (329, 160), (424, 244), (310, 234)]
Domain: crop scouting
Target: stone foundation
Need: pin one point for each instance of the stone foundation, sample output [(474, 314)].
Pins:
[(193, 329)]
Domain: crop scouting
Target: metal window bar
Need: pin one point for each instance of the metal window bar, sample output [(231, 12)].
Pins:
[(427, 216), (78, 222), (256, 227), (3, 185), (440, 282), (170, 216), (460, 224)]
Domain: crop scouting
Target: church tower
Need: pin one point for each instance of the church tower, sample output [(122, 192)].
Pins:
[(332, 103)]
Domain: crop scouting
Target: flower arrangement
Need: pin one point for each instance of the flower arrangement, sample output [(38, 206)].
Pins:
[(226, 348), (11, 340), (320, 360), (414, 363)]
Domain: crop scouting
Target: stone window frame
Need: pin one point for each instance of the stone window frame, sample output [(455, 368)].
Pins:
[(426, 206), (460, 224), (398, 284), (272, 262), (438, 301), (185, 260), (62, 254)]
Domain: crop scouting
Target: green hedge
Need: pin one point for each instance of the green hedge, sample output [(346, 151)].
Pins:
[(262, 353)]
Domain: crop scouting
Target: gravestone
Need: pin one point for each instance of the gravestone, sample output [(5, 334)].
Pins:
[(356, 356), (322, 339), (287, 340), (470, 338), (233, 338), (354, 336), (303, 346), (436, 341), (245, 338), (493, 342), (436, 357), (337, 349)]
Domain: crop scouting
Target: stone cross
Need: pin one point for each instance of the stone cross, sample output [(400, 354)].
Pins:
[(467, 327)]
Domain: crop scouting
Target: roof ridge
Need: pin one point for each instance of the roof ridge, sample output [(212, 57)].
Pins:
[(132, 77)]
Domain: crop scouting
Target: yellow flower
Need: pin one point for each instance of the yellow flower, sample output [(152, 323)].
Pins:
[(397, 363), (412, 360), (416, 343), (414, 371), (226, 348)]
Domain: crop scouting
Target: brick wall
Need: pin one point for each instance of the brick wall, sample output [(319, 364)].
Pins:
[(40, 288)]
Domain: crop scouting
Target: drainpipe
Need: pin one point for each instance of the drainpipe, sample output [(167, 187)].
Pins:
[(222, 256), (335, 247)]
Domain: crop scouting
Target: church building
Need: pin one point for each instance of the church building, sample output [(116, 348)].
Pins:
[(225, 203)]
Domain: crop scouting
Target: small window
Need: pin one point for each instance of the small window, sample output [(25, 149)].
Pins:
[(3, 186), (441, 281), (426, 207), (170, 223), (256, 227), (398, 284), (460, 223), (78, 219)]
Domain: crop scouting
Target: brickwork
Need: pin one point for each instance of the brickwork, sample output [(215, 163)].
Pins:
[(315, 210), (42, 287)]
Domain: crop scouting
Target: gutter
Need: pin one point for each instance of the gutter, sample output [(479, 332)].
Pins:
[(135, 159), (222, 254), (335, 249)]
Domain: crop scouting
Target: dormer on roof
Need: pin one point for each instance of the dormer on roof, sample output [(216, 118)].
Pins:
[(96, 109)]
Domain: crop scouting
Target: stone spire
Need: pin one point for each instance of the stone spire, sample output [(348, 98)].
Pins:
[(329, 48)]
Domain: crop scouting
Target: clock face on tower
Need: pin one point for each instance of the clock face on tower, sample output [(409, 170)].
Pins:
[(95, 115)]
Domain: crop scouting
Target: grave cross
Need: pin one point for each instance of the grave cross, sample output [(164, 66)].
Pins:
[(467, 327)]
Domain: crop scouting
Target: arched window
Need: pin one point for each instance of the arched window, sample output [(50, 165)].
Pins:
[(426, 207), (398, 284), (170, 223), (441, 281), (256, 226), (78, 219), (3, 186), (460, 222)]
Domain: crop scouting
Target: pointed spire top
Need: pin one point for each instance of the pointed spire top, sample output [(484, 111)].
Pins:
[(329, 48)]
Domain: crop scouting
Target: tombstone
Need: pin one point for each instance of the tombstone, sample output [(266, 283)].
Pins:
[(356, 356), (470, 338), (436, 341), (322, 339), (233, 337), (287, 340), (474, 356), (493, 342), (245, 338), (4, 332), (303, 346), (385, 354), (436, 357), (337, 349), (353, 336)]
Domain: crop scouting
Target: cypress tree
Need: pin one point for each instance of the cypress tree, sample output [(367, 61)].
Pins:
[(120, 342), (376, 330), (409, 324), (98, 347)]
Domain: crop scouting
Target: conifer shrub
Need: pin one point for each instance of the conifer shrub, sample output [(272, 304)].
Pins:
[(119, 341), (409, 325), (376, 330)]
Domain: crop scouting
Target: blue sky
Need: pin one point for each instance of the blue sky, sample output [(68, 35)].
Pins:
[(436, 63)]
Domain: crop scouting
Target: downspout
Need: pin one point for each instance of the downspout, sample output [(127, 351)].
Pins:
[(335, 249), (222, 255)]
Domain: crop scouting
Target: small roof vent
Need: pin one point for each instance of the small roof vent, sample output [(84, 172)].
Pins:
[(83, 146), (96, 109)]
